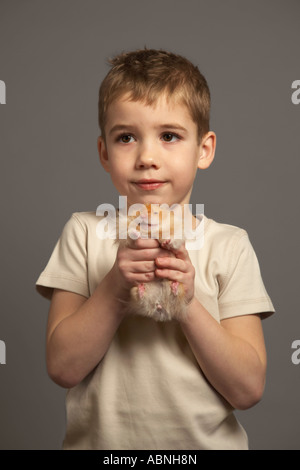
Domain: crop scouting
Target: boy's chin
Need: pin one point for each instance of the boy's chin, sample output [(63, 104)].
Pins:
[(153, 199)]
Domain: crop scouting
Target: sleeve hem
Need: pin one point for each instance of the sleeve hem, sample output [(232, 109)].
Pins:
[(46, 284), (252, 307)]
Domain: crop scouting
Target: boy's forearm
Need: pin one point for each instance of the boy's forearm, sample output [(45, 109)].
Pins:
[(231, 364), (80, 341)]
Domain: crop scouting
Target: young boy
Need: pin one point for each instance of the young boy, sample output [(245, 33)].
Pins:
[(135, 383)]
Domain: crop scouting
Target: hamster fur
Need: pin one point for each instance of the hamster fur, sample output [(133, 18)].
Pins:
[(162, 300)]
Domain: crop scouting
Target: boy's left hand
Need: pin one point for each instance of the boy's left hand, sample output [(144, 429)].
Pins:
[(178, 268)]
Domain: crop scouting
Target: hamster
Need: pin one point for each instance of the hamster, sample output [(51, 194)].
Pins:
[(162, 300)]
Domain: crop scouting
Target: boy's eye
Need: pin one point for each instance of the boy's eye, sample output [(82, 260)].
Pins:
[(170, 137), (125, 138)]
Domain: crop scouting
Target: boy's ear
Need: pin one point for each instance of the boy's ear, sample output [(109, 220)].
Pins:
[(103, 153), (207, 150)]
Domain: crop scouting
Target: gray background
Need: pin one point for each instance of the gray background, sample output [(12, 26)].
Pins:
[(52, 58)]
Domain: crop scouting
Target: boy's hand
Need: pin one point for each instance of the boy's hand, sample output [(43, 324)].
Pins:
[(178, 268), (136, 264)]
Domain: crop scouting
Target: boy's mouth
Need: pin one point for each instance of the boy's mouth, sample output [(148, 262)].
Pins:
[(149, 184)]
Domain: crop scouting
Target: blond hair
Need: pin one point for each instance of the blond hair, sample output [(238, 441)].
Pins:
[(147, 74)]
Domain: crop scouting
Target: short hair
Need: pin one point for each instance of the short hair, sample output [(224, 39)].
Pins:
[(146, 74)]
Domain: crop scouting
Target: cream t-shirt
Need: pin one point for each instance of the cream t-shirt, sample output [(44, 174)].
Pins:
[(148, 392)]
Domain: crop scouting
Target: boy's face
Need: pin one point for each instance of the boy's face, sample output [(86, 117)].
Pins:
[(152, 152)]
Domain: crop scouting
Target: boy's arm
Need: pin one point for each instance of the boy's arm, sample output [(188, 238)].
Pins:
[(232, 353), (80, 330)]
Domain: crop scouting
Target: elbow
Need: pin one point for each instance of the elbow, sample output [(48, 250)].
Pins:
[(62, 377), (246, 402), (62, 381), (248, 398), (62, 369)]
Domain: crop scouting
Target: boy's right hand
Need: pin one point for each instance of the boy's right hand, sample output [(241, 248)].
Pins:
[(135, 264)]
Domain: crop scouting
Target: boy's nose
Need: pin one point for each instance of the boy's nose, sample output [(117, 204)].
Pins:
[(148, 157)]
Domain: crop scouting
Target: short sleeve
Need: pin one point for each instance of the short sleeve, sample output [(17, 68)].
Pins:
[(67, 266), (242, 291)]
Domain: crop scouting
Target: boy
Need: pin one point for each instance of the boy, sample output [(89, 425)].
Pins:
[(135, 383)]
